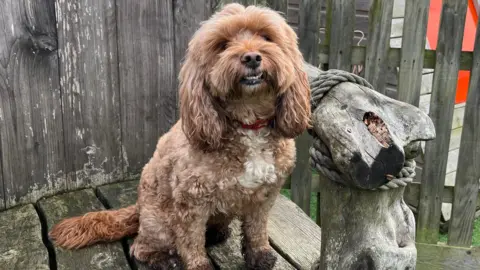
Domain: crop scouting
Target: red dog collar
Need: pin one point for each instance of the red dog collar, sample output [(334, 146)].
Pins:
[(257, 125)]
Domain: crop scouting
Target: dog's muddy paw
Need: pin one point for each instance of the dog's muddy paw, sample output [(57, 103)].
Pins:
[(261, 260), (216, 236)]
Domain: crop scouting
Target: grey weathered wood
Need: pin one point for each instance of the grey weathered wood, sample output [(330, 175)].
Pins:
[(22, 247), (87, 44), (228, 255), (294, 234), (146, 45), (365, 229), (301, 177), (308, 30), (278, 5), (376, 61), (341, 13), (440, 257), (394, 57), (441, 111), (99, 256), (413, 48), (362, 161), (31, 132), (293, 14), (468, 171)]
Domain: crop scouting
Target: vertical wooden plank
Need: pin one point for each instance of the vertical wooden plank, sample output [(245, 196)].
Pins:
[(278, 5), (441, 112), (301, 178), (293, 14), (87, 40), (146, 44), (2, 190), (468, 171), (187, 18), (413, 51), (340, 15), (304, 16), (376, 61), (31, 133), (308, 30)]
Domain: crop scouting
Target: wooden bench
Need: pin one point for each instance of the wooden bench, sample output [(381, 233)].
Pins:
[(294, 236)]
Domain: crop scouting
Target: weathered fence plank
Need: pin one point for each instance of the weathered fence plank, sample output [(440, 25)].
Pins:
[(376, 61), (308, 29), (146, 45), (87, 43), (394, 57), (340, 13), (413, 48), (441, 112), (278, 5), (301, 177), (31, 145), (468, 171)]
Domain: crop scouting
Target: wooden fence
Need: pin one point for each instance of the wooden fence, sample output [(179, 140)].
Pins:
[(87, 87), (338, 50)]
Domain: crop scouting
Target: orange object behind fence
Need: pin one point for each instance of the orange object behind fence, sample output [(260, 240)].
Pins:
[(468, 40)]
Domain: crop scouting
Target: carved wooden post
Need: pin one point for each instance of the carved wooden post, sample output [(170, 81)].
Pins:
[(364, 146)]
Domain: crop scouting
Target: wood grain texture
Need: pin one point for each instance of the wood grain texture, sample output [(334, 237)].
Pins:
[(146, 50), (31, 132), (293, 234), (308, 30), (341, 13), (278, 5), (301, 177), (87, 40), (376, 61), (22, 247), (468, 171), (441, 257), (413, 48), (394, 57), (98, 256), (441, 112)]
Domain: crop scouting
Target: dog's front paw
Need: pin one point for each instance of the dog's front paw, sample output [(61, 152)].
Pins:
[(217, 235), (161, 261), (261, 260)]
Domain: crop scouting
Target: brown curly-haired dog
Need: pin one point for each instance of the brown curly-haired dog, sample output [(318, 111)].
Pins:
[(244, 97)]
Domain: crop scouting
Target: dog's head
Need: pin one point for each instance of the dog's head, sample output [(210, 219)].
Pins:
[(242, 53)]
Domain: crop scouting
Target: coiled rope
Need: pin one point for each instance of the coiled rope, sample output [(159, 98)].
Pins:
[(321, 158)]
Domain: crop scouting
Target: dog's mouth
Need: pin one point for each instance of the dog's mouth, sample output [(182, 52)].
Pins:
[(253, 79)]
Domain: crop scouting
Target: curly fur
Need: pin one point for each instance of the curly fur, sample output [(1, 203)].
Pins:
[(209, 169)]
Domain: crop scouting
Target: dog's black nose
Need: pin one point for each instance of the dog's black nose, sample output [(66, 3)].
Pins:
[(252, 59)]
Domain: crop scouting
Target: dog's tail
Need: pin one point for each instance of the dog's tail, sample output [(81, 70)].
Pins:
[(93, 227)]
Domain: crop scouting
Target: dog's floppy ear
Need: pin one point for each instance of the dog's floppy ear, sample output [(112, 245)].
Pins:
[(293, 105), (202, 121)]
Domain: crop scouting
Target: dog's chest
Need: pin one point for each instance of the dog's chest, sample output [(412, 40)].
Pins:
[(259, 165)]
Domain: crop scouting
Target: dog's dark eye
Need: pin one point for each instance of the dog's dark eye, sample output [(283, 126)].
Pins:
[(267, 38), (222, 46)]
